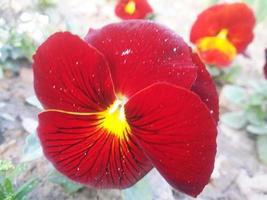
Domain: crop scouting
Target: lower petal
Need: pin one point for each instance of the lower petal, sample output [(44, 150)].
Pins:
[(177, 133), (84, 152)]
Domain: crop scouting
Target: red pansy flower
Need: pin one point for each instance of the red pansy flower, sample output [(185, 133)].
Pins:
[(131, 97), (133, 9), (222, 31), (265, 66)]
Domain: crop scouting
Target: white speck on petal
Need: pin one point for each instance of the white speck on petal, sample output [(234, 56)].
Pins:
[(126, 52)]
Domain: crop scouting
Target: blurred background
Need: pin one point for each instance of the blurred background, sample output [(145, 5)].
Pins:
[(241, 164)]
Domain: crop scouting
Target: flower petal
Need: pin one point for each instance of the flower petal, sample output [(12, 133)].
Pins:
[(205, 88), (141, 53), (237, 18), (71, 75), (140, 9), (88, 154), (177, 132)]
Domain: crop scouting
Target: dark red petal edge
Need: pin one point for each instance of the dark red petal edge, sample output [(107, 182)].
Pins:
[(141, 53), (88, 154), (177, 132), (71, 75), (205, 88)]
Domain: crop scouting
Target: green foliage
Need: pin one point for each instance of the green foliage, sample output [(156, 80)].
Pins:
[(32, 148), (33, 101), (253, 112), (234, 120), (68, 185), (259, 7), (235, 94), (44, 4), (15, 46), (262, 148), (21, 31), (141, 190), (224, 75), (10, 191)]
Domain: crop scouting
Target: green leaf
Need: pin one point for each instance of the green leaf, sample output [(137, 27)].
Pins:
[(260, 8), (19, 169), (8, 186), (235, 94), (262, 148), (32, 148), (228, 75), (255, 114), (6, 165), (2, 194), (32, 100), (1, 72), (211, 2), (141, 190), (68, 185), (214, 71), (259, 86), (234, 120), (258, 130), (26, 188), (256, 99)]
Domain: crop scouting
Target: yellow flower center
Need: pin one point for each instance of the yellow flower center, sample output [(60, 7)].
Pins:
[(130, 7), (220, 42), (114, 121)]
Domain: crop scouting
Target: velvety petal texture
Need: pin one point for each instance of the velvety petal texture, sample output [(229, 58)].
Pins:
[(71, 75), (83, 151), (205, 88), (141, 53), (133, 9), (131, 97), (177, 132)]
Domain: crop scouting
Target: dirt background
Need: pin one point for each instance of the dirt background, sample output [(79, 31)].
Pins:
[(238, 174)]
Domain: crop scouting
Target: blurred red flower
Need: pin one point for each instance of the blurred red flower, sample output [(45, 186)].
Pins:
[(223, 31), (129, 98), (133, 9)]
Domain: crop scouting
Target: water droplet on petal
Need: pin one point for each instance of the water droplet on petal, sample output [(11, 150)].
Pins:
[(126, 52)]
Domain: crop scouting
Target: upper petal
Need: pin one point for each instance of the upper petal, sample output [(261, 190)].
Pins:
[(141, 53), (84, 152), (71, 75), (177, 133), (205, 88), (237, 18)]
